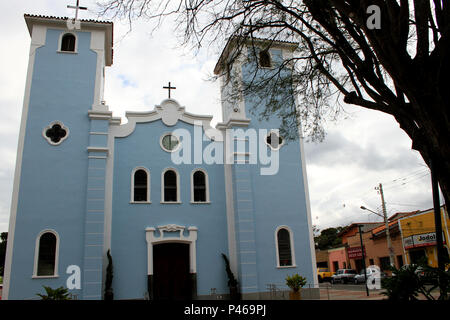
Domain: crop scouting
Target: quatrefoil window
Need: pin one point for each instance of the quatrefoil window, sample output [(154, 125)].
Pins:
[(55, 133)]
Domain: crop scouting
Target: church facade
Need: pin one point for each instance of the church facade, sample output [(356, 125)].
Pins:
[(159, 198)]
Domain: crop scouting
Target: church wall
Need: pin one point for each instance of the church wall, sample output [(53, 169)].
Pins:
[(53, 179), (129, 221)]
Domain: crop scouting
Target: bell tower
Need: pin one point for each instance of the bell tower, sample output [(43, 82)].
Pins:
[(269, 218), (62, 146)]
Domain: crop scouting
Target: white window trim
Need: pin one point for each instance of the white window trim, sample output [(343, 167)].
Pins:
[(277, 132), (49, 127), (162, 146), (148, 185), (206, 186), (36, 255), (60, 42), (178, 186), (291, 238)]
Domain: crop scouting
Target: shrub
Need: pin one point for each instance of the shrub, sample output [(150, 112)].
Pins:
[(60, 293), (295, 282)]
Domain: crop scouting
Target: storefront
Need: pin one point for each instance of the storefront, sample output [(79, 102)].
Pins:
[(419, 237)]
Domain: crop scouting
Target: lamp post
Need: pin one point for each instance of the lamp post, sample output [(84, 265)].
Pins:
[(388, 235)]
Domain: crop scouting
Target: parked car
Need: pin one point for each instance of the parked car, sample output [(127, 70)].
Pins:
[(418, 269), (360, 278), (343, 276), (323, 274)]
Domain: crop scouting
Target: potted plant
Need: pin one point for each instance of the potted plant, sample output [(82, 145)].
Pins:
[(60, 293), (295, 282)]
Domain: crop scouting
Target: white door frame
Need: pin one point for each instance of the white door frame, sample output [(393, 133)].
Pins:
[(191, 239)]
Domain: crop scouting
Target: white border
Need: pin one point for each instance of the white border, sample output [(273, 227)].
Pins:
[(49, 127), (178, 186), (133, 172), (36, 255), (206, 186), (153, 240), (161, 143), (291, 238), (63, 33)]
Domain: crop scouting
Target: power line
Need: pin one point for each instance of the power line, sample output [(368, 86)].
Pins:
[(403, 205), (408, 176)]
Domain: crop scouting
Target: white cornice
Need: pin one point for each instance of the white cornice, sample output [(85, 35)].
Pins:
[(100, 115), (98, 149), (233, 122)]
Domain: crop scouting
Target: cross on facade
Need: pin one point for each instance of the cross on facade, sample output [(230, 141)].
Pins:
[(169, 88), (77, 7)]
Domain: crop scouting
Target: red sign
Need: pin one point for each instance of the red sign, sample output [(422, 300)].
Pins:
[(355, 253)]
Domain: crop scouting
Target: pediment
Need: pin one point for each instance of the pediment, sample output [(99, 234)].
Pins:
[(169, 112)]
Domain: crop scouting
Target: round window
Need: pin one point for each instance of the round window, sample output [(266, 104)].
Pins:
[(169, 142), (274, 140)]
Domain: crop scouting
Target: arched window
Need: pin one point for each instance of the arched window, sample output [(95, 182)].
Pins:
[(68, 42), (199, 187), (264, 59), (170, 186), (140, 185), (284, 248), (46, 262)]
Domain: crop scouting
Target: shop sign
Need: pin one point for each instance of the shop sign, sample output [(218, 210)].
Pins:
[(354, 253), (421, 240)]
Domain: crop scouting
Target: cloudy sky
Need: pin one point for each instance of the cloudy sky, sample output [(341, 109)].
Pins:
[(361, 150)]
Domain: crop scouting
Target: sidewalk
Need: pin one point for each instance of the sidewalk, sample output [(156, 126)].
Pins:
[(334, 294), (349, 294)]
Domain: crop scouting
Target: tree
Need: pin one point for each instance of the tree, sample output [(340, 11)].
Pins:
[(385, 55), (328, 238)]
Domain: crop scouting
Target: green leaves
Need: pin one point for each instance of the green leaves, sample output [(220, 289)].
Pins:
[(411, 282), (60, 293), (295, 282)]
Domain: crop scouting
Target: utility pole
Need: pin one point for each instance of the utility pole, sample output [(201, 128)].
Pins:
[(437, 216), (363, 259), (386, 222)]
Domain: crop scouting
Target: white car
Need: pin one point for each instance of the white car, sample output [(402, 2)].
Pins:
[(371, 271)]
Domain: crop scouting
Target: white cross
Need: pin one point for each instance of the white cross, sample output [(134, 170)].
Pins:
[(77, 7)]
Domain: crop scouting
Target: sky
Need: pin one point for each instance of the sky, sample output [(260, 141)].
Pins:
[(362, 149)]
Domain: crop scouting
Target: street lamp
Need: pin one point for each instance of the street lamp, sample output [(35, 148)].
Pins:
[(388, 235)]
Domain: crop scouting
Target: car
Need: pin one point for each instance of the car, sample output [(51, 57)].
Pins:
[(418, 270), (370, 271), (323, 274), (343, 276)]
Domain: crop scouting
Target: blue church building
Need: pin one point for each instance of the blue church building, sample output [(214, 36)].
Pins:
[(161, 196)]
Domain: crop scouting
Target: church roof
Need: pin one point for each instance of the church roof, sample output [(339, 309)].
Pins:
[(64, 18), (32, 18)]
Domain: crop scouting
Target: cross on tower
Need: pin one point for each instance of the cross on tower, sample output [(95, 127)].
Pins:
[(77, 7), (169, 88)]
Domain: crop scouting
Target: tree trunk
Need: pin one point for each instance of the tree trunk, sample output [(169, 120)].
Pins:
[(430, 141)]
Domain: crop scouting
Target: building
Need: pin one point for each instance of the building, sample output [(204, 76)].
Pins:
[(322, 259), (412, 238), (418, 234), (338, 258), (86, 184)]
